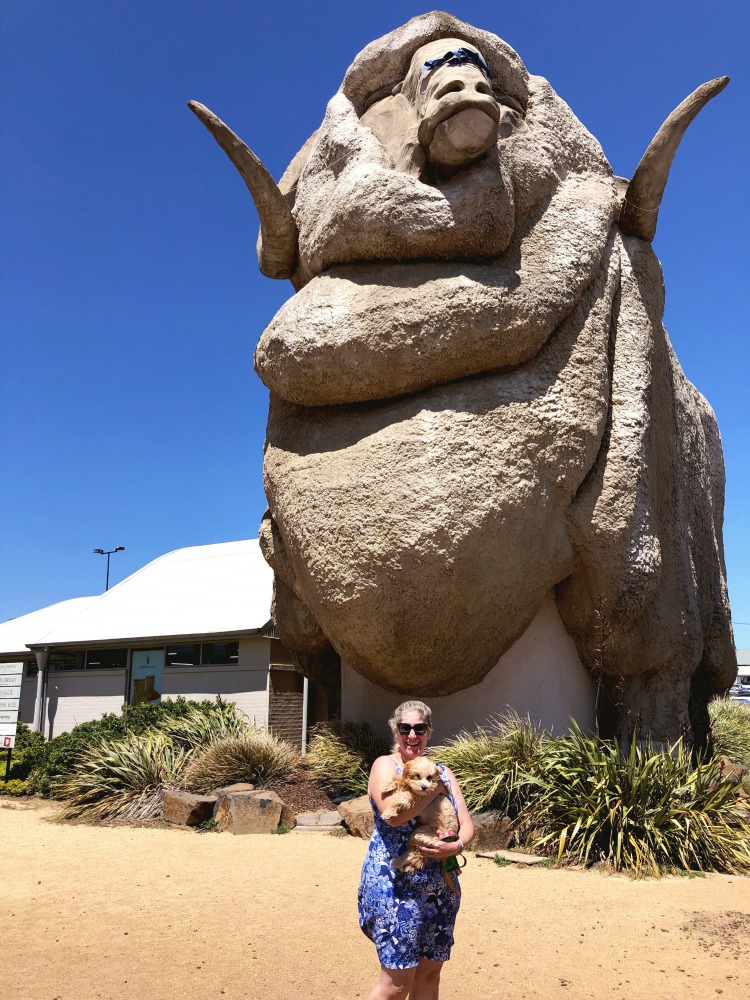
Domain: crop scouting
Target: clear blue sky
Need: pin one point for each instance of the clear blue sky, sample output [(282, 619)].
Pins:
[(132, 301)]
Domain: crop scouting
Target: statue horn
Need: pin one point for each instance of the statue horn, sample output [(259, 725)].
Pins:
[(277, 247), (640, 207)]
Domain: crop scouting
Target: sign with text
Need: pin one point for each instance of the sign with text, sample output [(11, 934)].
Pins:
[(11, 681)]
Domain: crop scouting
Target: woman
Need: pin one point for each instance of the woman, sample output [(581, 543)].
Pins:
[(409, 917)]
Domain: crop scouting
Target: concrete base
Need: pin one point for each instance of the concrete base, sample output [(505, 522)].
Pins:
[(540, 674)]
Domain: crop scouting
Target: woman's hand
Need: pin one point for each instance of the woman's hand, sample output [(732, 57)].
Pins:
[(439, 850)]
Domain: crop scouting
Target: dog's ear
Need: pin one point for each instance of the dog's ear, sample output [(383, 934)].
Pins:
[(389, 786)]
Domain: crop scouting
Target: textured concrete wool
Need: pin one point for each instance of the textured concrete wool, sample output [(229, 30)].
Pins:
[(474, 403)]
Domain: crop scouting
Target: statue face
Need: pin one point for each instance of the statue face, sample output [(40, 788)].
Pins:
[(453, 99)]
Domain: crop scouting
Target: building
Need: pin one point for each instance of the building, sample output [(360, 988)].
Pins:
[(194, 622)]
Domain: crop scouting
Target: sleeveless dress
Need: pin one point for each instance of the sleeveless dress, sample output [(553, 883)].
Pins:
[(406, 915)]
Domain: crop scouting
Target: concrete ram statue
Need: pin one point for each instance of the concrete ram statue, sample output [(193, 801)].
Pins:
[(474, 402)]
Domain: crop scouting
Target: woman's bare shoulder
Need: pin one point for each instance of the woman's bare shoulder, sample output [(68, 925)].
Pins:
[(384, 763)]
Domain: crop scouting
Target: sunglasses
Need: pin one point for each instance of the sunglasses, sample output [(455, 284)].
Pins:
[(404, 728), (458, 57)]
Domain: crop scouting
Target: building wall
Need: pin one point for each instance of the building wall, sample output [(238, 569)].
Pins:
[(285, 698), (540, 674), (81, 695), (75, 696), (246, 687)]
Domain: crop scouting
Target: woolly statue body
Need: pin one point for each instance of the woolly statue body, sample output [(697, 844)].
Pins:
[(473, 398)]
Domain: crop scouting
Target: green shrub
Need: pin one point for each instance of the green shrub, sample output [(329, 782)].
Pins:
[(14, 787), (730, 730), (644, 812), (59, 756), (121, 778), (492, 766), (25, 756), (341, 755), (203, 723), (255, 756)]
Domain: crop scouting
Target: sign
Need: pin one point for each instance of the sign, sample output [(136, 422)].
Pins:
[(11, 681), (146, 675)]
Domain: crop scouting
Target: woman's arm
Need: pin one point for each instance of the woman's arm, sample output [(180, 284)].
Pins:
[(383, 772), (439, 849)]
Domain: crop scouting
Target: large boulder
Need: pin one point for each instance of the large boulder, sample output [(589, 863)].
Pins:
[(357, 814), (492, 831), (252, 812), (186, 809)]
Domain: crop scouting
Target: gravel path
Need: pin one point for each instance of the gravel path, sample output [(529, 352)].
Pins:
[(157, 914)]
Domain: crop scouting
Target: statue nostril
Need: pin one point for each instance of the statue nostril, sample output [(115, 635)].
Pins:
[(454, 87)]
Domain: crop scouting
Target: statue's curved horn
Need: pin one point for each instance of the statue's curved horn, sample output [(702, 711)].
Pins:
[(277, 249), (640, 209)]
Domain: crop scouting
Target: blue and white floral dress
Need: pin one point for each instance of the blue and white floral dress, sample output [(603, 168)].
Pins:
[(406, 915)]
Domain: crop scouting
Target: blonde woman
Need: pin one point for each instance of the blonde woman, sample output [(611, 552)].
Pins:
[(409, 916)]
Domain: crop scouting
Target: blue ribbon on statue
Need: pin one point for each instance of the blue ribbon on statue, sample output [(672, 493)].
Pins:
[(459, 57)]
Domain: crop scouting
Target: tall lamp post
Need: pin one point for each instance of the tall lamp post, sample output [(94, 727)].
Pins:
[(101, 552)]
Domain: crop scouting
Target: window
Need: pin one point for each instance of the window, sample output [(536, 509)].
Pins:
[(220, 652), (183, 655), (73, 660), (106, 659)]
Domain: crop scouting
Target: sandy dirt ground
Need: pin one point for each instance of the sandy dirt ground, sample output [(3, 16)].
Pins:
[(109, 912)]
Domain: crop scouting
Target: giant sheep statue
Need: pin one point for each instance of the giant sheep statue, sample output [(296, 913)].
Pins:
[(473, 399)]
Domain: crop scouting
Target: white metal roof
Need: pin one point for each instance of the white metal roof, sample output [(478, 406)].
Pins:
[(743, 658), (206, 589), (17, 633)]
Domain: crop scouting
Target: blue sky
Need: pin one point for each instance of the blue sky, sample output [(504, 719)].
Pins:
[(132, 301)]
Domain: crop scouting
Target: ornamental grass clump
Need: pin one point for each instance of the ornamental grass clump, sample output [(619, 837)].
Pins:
[(730, 730), (493, 765), (202, 724), (123, 778), (646, 812), (341, 754), (255, 756)]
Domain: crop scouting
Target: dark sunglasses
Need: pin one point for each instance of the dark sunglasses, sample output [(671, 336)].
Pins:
[(404, 728), (458, 57)]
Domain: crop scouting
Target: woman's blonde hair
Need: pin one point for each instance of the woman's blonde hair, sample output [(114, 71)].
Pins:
[(410, 706)]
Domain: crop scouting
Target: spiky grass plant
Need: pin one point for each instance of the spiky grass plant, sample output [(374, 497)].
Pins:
[(645, 812), (341, 754), (121, 779), (730, 730), (255, 756), (493, 764), (202, 724)]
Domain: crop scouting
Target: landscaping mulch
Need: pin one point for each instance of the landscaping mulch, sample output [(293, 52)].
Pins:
[(303, 794)]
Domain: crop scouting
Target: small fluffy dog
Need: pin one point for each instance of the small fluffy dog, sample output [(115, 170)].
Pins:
[(418, 778)]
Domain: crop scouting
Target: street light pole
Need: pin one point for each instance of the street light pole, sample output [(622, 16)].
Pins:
[(108, 553)]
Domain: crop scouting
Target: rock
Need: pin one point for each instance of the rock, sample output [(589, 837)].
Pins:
[(326, 818), (287, 816), (185, 808), (357, 814), (337, 829), (252, 812), (240, 786), (492, 831), (732, 772)]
